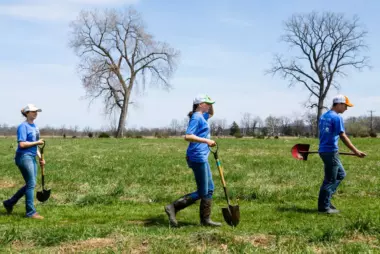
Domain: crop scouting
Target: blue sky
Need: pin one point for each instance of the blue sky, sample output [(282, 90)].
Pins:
[(225, 48)]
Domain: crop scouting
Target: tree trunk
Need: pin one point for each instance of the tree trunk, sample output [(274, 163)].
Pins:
[(124, 111), (319, 114)]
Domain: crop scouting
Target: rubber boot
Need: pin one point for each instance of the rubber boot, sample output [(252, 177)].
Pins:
[(205, 212), (172, 209)]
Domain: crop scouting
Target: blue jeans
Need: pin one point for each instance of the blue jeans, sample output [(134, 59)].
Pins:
[(334, 174), (203, 178), (28, 167)]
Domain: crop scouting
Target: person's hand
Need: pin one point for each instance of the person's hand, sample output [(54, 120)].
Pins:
[(211, 143), (40, 142), (360, 154), (42, 162)]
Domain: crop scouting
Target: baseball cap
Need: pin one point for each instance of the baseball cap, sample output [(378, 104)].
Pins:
[(203, 98), (340, 98), (31, 107)]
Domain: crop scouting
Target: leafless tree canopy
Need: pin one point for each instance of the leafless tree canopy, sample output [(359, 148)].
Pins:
[(117, 55), (328, 44)]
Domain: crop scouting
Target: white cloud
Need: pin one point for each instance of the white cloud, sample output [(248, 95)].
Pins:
[(39, 12), (49, 10)]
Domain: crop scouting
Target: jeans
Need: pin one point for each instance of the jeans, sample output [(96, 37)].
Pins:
[(28, 168), (334, 174), (203, 178)]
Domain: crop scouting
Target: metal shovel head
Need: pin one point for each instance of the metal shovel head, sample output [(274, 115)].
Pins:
[(43, 195), (231, 215), (300, 151)]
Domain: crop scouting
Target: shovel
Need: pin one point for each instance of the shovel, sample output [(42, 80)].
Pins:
[(231, 213), (43, 195), (301, 152)]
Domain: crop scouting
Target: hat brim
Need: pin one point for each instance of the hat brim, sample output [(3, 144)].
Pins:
[(349, 104), (34, 110)]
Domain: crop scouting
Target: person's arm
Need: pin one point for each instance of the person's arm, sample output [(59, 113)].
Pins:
[(21, 138), (339, 127), (27, 144), (350, 146), (190, 133)]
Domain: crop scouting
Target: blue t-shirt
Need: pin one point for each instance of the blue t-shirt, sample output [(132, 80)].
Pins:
[(198, 126), (330, 127), (27, 132)]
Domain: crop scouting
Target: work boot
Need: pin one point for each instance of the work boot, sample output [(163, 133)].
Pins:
[(172, 209), (205, 212)]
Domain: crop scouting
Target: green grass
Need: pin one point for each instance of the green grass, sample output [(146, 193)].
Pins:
[(108, 196)]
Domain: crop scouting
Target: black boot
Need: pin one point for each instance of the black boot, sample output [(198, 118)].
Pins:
[(205, 212), (176, 206)]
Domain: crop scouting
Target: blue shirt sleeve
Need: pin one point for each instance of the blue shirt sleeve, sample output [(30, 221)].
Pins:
[(193, 125), (21, 133), (338, 125)]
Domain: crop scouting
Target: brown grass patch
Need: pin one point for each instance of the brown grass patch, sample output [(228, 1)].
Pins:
[(86, 245), (260, 241), (7, 183), (359, 238)]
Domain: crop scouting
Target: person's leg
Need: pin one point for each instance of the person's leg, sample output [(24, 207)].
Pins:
[(340, 176), (29, 171), (181, 203), (330, 178), (206, 200), (8, 204)]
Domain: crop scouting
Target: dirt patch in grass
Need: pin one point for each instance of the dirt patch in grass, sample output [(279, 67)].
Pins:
[(360, 238), (21, 245), (87, 245), (259, 241), (7, 183)]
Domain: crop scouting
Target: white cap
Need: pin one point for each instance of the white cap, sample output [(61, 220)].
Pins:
[(340, 98), (31, 107), (203, 98)]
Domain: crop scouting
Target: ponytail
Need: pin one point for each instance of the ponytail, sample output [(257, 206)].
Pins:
[(23, 112), (195, 106)]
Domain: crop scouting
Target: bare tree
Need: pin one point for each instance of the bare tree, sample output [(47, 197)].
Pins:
[(285, 126), (328, 45), (175, 126), (312, 122), (117, 55), (245, 123), (273, 124)]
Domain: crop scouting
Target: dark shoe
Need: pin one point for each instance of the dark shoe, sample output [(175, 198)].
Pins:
[(328, 211), (205, 212), (172, 209), (8, 208)]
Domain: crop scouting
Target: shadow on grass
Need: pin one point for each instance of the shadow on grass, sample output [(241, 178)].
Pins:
[(160, 221), (296, 209)]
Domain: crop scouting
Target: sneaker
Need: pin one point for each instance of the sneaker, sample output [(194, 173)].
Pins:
[(332, 206), (36, 216), (329, 211), (8, 208)]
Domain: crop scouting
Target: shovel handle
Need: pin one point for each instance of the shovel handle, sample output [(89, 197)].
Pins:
[(342, 153)]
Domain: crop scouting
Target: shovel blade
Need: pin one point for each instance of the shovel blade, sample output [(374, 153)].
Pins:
[(300, 151), (231, 215), (43, 195)]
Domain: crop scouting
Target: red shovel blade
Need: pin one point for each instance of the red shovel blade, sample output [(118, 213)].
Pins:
[(300, 151)]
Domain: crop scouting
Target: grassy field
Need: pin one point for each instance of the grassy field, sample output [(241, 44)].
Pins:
[(108, 196)]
